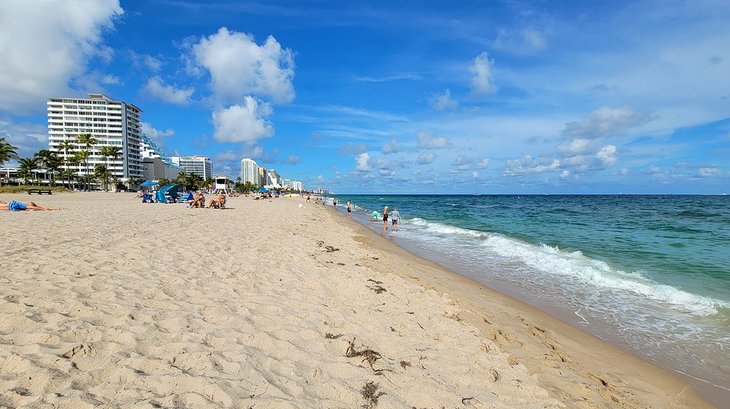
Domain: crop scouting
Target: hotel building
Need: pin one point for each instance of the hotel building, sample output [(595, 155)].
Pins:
[(250, 172), (197, 165), (111, 123)]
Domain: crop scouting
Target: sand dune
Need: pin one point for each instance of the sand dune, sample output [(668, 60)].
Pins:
[(111, 303)]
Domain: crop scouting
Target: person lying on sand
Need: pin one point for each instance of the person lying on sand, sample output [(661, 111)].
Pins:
[(14, 206)]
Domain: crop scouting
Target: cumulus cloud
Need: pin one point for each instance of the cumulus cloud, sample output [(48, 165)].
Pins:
[(390, 147), (442, 101), (604, 122), (238, 66), (155, 87), (607, 155), (426, 140), (243, 123), (709, 172), (525, 41), (45, 46), (462, 163), (156, 134), (292, 159), (576, 146), (425, 158), (226, 156), (528, 165), (482, 82), (564, 174), (362, 162)]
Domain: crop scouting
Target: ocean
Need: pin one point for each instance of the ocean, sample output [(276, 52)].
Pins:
[(650, 274)]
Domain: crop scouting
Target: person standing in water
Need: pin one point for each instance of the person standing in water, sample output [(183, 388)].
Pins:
[(385, 219), (349, 209), (395, 219)]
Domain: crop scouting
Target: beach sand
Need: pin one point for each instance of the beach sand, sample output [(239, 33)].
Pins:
[(112, 303)]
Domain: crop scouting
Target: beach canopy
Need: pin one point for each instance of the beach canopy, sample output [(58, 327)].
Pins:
[(167, 190), (148, 183), (263, 189)]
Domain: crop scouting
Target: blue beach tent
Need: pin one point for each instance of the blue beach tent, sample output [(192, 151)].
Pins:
[(169, 190)]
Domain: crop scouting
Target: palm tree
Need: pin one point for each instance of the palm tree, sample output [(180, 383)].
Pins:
[(50, 161), (27, 166), (110, 152), (79, 158), (7, 151), (102, 172), (65, 146), (87, 140), (73, 161)]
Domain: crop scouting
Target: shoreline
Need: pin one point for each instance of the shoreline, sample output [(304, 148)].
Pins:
[(109, 300)]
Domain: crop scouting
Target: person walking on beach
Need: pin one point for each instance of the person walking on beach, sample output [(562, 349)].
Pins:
[(349, 209), (14, 206), (395, 219), (385, 219)]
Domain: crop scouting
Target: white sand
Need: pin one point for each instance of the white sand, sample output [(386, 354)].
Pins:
[(113, 303)]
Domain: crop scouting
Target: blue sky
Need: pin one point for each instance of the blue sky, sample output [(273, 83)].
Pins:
[(413, 97)]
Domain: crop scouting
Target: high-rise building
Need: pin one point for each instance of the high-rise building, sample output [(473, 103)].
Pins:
[(197, 165), (273, 179), (111, 123), (250, 172)]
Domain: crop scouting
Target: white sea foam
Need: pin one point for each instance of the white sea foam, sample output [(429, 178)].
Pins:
[(575, 266)]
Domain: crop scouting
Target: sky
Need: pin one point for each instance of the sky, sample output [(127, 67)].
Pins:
[(487, 97)]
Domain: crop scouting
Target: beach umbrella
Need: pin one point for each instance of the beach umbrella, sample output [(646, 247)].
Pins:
[(148, 183), (263, 190)]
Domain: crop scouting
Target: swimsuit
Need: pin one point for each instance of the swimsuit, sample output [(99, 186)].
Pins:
[(385, 217), (14, 206)]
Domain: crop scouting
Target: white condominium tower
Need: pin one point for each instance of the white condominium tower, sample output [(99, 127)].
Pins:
[(111, 123), (197, 165), (250, 172)]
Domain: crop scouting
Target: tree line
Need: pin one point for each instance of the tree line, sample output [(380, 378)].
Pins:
[(54, 165)]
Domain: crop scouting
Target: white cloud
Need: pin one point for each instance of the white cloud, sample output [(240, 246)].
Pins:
[(156, 134), (709, 172), (363, 162), (293, 159), (45, 46), (238, 66), (576, 146), (243, 123), (442, 101), (167, 93), (482, 82), (427, 141), (527, 165), (525, 41), (425, 158), (462, 163), (28, 138), (390, 147), (564, 174), (482, 164), (604, 122), (607, 155)]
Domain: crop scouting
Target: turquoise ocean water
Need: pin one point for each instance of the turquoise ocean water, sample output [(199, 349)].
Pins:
[(650, 274)]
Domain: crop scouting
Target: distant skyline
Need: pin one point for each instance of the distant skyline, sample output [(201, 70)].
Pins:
[(410, 97)]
